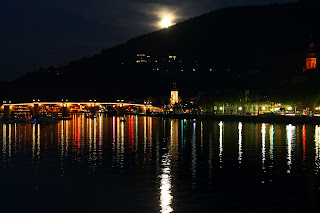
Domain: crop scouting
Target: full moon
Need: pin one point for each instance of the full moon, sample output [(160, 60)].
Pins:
[(165, 23)]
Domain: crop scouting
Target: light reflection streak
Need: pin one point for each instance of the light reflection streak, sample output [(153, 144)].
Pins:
[(62, 147), (33, 140), (9, 143), (131, 134), (263, 143), (118, 141), (122, 145), (220, 142), (4, 144), (100, 133), (290, 134), (90, 140), (38, 141), (114, 138), (157, 152), (183, 137), (136, 133), (94, 153), (144, 139), (67, 138), (165, 178), (165, 185), (304, 139), (240, 142), (194, 153), (15, 135), (62, 140), (271, 131), (82, 127), (317, 149), (150, 134)]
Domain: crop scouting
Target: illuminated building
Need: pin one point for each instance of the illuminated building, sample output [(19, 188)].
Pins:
[(311, 60), (174, 95), (142, 58), (172, 58)]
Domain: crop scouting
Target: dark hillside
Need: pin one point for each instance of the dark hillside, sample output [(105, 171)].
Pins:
[(260, 48)]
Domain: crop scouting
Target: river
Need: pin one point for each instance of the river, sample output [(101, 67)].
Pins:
[(149, 164)]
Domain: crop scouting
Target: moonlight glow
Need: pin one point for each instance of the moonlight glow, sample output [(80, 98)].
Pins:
[(165, 23)]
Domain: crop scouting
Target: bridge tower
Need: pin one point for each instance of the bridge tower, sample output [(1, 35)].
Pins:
[(35, 109), (7, 110)]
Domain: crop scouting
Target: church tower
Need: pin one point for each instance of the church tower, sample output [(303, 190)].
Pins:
[(311, 60), (174, 95)]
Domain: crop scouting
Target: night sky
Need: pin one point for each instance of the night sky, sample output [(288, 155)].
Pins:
[(39, 33)]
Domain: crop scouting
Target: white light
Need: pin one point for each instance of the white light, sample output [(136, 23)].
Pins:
[(221, 108), (290, 108), (277, 109), (165, 23), (263, 108), (240, 108)]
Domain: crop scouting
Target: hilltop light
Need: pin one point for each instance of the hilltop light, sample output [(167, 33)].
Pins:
[(165, 22)]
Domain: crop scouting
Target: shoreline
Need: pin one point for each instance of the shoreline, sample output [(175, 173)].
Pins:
[(281, 119)]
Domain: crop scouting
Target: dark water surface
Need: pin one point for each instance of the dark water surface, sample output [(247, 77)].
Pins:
[(149, 164)]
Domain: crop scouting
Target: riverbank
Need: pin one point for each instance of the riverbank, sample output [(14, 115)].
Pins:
[(256, 119)]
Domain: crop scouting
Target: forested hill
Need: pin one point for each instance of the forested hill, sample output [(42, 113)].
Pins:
[(227, 51)]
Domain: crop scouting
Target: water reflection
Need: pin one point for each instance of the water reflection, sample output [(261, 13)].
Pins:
[(35, 141), (165, 177), (144, 139), (194, 152), (114, 138), (220, 142), (317, 148), (290, 130), (4, 144), (173, 156), (271, 132), (165, 185), (304, 139), (263, 143), (240, 142)]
